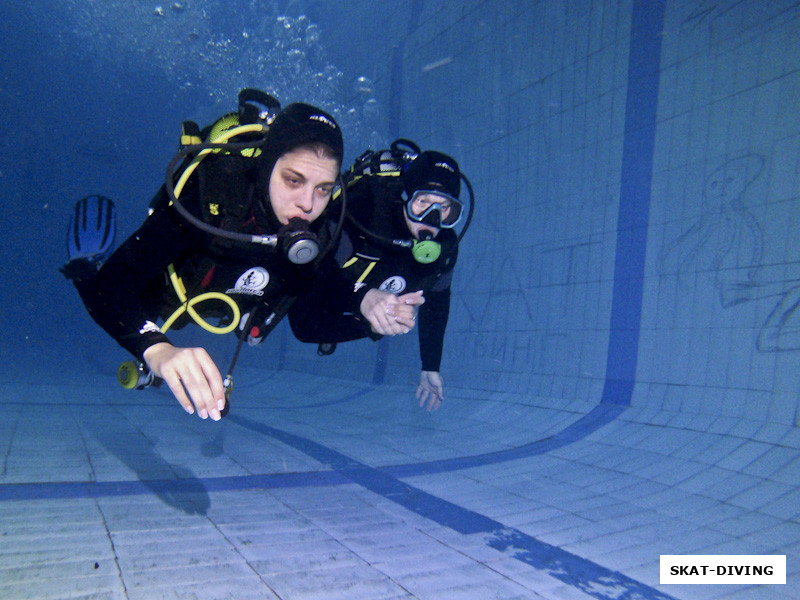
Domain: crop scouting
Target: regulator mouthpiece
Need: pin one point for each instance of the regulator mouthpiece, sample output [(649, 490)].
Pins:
[(300, 245), (426, 250)]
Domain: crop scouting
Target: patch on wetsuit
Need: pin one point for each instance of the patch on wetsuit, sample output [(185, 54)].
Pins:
[(252, 282), (393, 285)]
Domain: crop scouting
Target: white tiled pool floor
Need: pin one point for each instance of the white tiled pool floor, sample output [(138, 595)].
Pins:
[(321, 489)]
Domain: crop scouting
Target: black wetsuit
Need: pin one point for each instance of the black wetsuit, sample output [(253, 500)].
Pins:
[(320, 318), (132, 289)]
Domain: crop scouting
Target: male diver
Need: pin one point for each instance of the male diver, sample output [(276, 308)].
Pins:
[(403, 208), (236, 236)]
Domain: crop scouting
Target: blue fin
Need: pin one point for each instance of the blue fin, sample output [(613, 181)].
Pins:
[(92, 228)]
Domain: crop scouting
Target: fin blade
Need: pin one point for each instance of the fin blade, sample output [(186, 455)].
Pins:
[(92, 228)]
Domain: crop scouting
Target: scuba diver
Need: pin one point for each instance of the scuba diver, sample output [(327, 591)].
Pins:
[(403, 208), (235, 235)]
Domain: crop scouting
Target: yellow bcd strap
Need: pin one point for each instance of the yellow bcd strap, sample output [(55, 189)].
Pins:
[(366, 272)]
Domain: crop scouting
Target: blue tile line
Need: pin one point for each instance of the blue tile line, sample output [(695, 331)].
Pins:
[(595, 419), (641, 105), (592, 421), (593, 579), (589, 577), (100, 489)]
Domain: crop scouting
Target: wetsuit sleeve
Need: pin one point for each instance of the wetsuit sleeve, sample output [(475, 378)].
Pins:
[(433, 316), (327, 311), (312, 321), (117, 297)]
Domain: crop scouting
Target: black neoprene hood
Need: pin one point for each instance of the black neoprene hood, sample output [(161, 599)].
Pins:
[(300, 124), (432, 170)]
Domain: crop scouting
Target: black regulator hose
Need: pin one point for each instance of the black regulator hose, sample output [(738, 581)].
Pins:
[(174, 188)]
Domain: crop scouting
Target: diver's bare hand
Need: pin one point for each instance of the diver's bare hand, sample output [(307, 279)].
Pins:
[(192, 377), (430, 390), (389, 314)]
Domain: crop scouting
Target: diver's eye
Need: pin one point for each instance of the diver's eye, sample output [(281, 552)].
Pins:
[(420, 204)]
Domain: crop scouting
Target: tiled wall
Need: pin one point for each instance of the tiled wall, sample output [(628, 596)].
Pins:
[(533, 100), (718, 327)]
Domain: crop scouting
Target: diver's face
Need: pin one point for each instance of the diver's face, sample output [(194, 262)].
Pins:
[(419, 205), (301, 185)]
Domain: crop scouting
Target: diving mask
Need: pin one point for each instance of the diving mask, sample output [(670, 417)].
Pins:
[(434, 208)]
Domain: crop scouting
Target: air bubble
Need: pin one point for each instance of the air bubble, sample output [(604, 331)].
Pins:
[(312, 34), (363, 85), (209, 63)]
